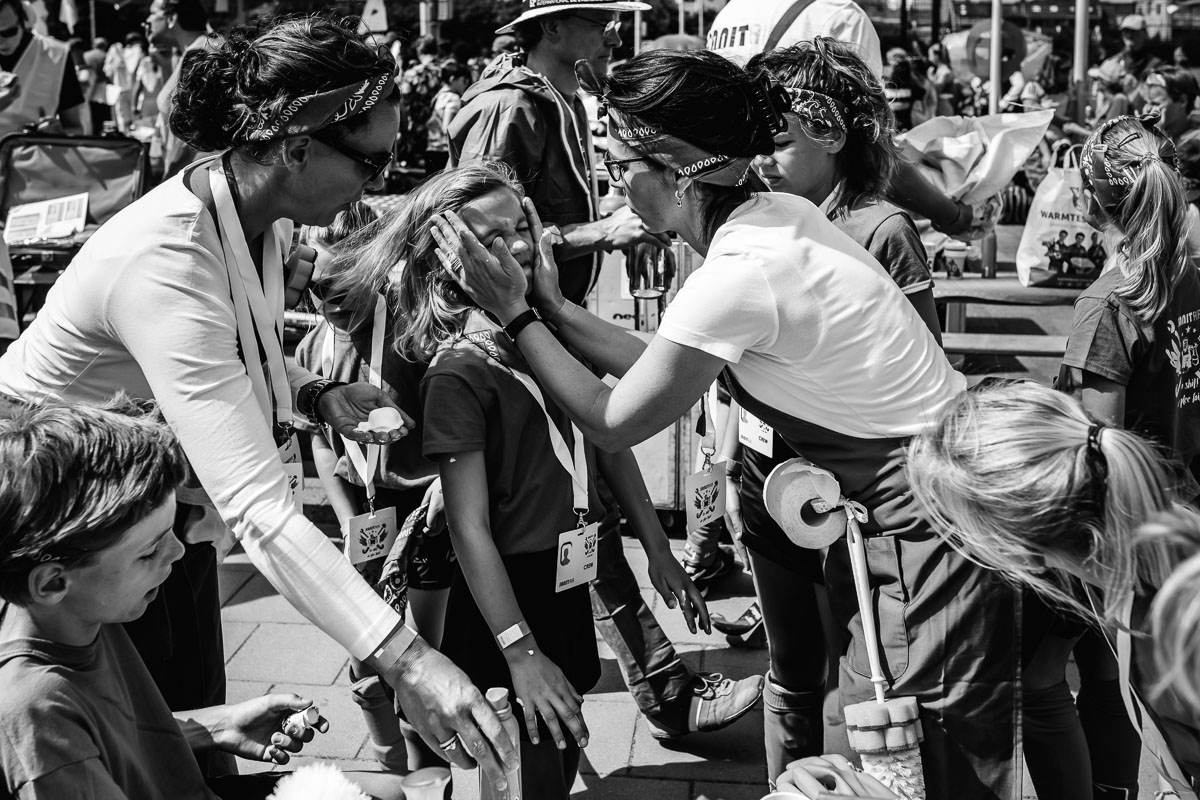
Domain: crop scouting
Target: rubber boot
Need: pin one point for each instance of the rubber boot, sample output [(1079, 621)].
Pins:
[(793, 726), (386, 737)]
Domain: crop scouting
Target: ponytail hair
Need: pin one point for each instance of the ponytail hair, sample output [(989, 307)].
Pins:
[(396, 257), (1175, 615), (1131, 170), (1019, 479)]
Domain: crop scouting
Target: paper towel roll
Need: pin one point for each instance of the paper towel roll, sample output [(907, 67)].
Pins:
[(803, 500)]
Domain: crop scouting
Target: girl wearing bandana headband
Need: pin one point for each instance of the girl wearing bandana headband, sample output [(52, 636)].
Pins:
[(1131, 358), (179, 300), (838, 154), (809, 334)]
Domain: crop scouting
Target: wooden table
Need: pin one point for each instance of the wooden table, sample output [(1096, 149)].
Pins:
[(1004, 290)]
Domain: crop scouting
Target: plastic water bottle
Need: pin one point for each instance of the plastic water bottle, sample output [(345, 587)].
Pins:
[(498, 697)]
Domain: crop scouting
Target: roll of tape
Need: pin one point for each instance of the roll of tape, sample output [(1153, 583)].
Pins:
[(803, 499)]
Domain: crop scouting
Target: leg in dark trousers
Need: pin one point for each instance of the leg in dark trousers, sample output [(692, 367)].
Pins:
[(1114, 743), (179, 637), (795, 690), (652, 669)]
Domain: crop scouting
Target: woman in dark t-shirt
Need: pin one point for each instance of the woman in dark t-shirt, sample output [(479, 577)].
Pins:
[(1133, 357)]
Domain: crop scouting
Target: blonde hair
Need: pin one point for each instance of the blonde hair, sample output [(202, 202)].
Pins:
[(1151, 218), (1175, 615), (1007, 476), (396, 256)]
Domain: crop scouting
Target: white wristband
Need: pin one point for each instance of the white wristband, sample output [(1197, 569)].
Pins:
[(512, 634)]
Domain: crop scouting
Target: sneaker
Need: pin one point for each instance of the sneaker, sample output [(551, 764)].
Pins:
[(751, 617), (705, 575), (713, 702)]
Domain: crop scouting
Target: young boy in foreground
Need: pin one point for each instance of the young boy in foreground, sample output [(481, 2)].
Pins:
[(87, 501)]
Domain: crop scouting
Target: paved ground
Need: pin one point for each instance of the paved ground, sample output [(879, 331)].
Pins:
[(266, 641)]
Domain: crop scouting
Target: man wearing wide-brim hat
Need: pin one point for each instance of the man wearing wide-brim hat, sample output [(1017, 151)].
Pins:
[(526, 111)]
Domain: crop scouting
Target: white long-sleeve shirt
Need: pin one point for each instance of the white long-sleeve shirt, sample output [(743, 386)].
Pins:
[(145, 308)]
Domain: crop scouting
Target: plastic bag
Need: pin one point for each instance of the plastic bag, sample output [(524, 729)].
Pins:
[(1058, 246), (973, 158)]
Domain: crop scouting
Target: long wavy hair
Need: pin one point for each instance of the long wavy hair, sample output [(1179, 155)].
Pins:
[(1175, 615), (869, 158), (1151, 220), (396, 257), (1007, 476)]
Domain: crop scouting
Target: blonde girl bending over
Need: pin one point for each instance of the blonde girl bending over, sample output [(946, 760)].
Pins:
[(1022, 480)]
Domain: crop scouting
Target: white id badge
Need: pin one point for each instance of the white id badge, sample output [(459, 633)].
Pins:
[(704, 493), (577, 557), (371, 536), (289, 454), (755, 434)]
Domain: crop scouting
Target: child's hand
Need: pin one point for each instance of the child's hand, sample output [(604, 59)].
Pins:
[(254, 729), (676, 588), (541, 688)]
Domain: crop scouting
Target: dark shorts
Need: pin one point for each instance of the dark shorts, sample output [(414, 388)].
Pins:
[(760, 532)]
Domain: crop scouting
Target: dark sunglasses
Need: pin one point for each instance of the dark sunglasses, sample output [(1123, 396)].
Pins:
[(609, 25), (616, 167), (9, 33), (377, 165)]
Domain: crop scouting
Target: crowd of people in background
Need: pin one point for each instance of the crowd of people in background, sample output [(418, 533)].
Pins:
[(453, 398)]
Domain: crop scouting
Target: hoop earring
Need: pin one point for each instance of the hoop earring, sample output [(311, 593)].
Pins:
[(679, 198)]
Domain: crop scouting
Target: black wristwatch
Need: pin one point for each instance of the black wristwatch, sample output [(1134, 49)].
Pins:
[(520, 323), (306, 400)]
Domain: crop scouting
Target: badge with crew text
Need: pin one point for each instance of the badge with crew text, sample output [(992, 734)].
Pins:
[(704, 493), (755, 434), (289, 454), (371, 536), (578, 557)]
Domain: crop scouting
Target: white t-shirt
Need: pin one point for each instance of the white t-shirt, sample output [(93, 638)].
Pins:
[(145, 307), (742, 28), (812, 324)]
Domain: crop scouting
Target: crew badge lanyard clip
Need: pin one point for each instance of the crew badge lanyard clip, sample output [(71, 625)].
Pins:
[(704, 491), (258, 307), (371, 535), (577, 556)]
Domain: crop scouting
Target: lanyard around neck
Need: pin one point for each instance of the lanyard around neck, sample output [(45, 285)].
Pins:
[(366, 463), (258, 303), (575, 463)]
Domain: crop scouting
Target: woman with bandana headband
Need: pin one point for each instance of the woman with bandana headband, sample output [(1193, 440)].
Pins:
[(837, 152), (812, 336), (179, 299), (1133, 358)]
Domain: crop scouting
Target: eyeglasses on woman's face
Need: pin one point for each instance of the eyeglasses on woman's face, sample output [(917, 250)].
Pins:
[(10, 32), (616, 166), (376, 164)]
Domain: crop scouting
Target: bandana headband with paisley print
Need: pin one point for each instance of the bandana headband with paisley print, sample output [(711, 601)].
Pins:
[(314, 112), (1108, 182), (819, 108), (688, 160)]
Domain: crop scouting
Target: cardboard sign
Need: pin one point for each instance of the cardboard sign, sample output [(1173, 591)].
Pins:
[(577, 557)]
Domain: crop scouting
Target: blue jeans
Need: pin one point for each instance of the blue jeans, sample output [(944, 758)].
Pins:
[(652, 669)]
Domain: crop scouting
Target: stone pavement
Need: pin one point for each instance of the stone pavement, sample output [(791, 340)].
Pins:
[(267, 641)]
